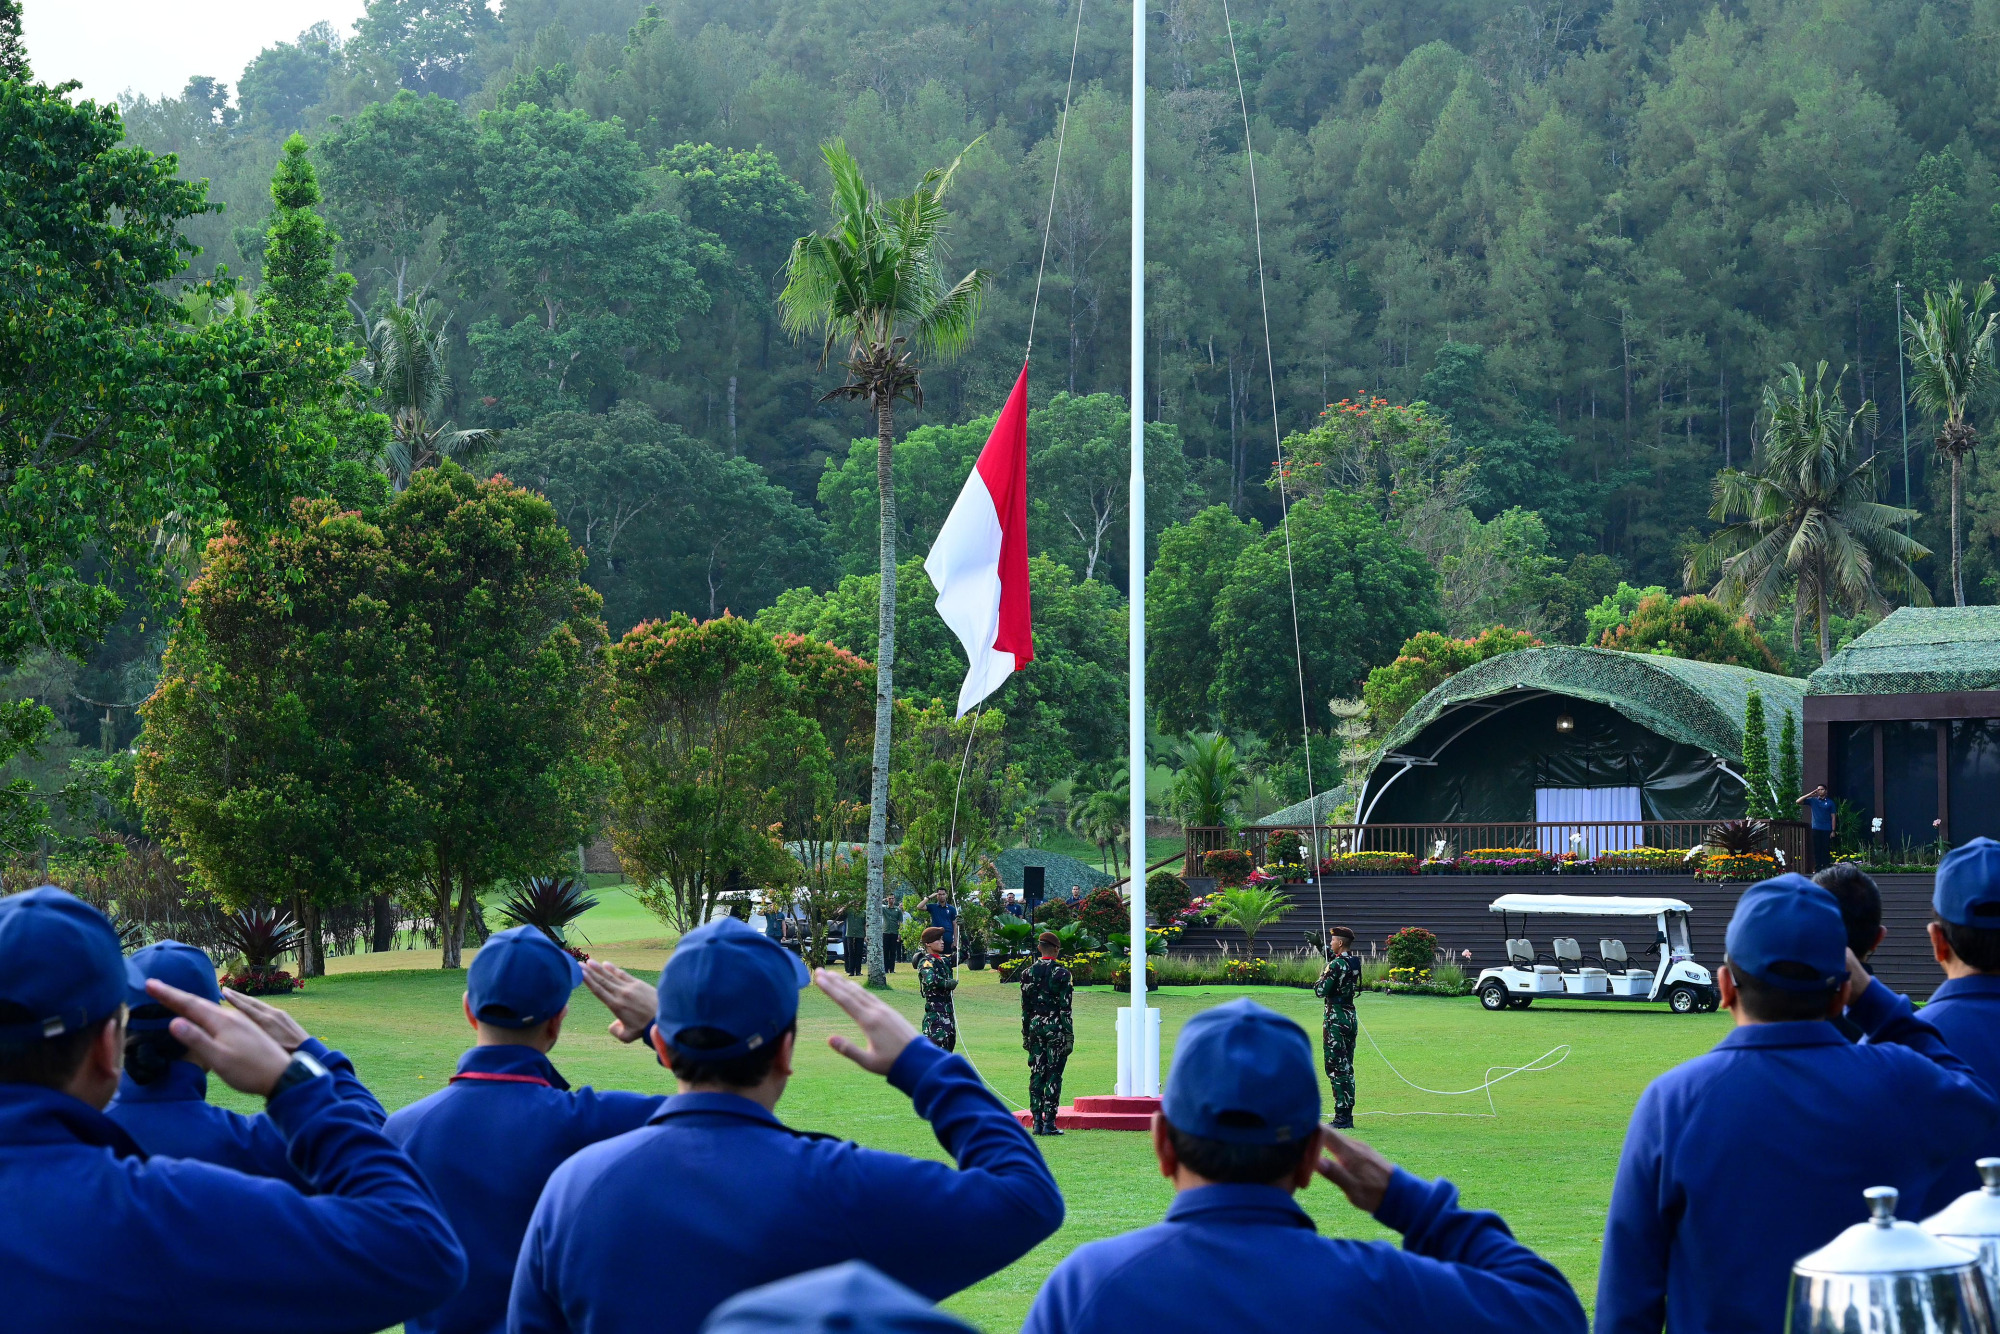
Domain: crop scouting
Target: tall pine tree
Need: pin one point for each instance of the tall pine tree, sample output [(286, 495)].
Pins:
[(1789, 781)]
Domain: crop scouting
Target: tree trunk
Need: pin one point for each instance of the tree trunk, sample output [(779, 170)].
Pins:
[(1819, 603), (885, 691), (312, 955), (383, 937), (448, 923), (1957, 579)]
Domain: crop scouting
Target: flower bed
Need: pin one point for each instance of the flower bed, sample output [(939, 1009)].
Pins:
[(1493, 861), (1246, 971), (1369, 863), (1084, 968), (275, 982), (1658, 861), (1446, 980), (1738, 866)]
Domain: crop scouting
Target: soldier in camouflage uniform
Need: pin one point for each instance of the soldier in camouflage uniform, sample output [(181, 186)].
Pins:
[(936, 983), (1338, 985), (1046, 988)]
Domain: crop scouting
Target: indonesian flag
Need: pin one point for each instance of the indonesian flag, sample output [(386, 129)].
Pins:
[(979, 563)]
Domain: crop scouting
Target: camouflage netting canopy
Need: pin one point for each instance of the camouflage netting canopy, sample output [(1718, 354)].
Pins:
[(1918, 650), (1697, 703), (1319, 810)]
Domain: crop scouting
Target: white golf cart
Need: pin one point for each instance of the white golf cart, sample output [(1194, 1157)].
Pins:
[(1610, 974)]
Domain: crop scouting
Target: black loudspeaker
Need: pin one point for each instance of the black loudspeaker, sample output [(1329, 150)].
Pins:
[(1033, 886)]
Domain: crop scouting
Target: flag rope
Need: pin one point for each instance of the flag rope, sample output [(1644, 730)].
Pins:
[(1055, 179)]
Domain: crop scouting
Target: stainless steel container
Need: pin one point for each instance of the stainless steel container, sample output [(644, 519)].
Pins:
[(1886, 1277), (1973, 1221)]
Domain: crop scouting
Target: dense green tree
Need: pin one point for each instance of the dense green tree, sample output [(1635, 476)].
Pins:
[(1425, 661), (704, 737), (1182, 653), (669, 524), (594, 277), (285, 82), (13, 54), (1698, 628), (272, 758), (1361, 594), (392, 171), (424, 45)]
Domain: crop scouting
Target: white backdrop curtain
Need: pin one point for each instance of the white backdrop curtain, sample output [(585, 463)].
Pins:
[(1593, 812)]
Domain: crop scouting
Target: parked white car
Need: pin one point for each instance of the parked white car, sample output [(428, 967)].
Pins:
[(1613, 972)]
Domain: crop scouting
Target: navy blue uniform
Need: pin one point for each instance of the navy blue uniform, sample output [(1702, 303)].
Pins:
[(1741, 1161), (726, 1196), (1966, 1010), (174, 1119), (96, 1236), (1247, 1258), (487, 1144)]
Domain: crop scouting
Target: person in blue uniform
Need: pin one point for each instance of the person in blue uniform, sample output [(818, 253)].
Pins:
[(725, 1196), (851, 1298), (97, 1235), (1238, 1134), (1860, 902), (944, 917), (162, 1098), (488, 1140), (1741, 1161), (1965, 937)]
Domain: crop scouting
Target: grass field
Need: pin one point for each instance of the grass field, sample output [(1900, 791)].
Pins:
[(1545, 1161)]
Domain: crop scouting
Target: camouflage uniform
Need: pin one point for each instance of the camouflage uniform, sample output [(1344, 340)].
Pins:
[(935, 983), (1046, 988), (1338, 986)]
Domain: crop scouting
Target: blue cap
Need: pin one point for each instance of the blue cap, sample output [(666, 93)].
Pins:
[(852, 1298), (1787, 932), (177, 965), (1968, 885), (1245, 1075), (520, 978), (727, 977), (60, 961)]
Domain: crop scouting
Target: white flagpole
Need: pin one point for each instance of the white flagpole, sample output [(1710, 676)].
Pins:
[(1136, 1030)]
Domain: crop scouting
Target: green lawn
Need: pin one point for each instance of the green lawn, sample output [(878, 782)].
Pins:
[(1545, 1162)]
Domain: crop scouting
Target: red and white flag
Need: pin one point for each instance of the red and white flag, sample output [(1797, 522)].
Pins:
[(979, 563)]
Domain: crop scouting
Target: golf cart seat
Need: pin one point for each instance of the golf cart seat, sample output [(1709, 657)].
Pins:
[(1521, 950), (1611, 953), (1569, 954)]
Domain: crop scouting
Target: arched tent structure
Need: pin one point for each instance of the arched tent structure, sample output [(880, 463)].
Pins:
[(1575, 734)]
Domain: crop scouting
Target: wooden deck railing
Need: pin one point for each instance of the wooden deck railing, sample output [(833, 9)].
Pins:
[(1585, 838)]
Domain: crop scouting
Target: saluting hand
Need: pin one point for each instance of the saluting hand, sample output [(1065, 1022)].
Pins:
[(1361, 1173), (243, 1055), (284, 1030), (633, 1004), (888, 1033)]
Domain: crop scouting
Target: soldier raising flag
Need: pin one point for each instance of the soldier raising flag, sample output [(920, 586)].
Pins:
[(1338, 985), (1046, 988)]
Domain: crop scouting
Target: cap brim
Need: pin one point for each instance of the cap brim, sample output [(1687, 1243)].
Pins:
[(801, 975)]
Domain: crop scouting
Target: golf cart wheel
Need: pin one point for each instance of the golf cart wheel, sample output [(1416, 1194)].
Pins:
[(1493, 994), (1682, 1000)]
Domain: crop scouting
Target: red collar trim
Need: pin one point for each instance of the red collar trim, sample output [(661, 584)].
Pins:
[(492, 1076)]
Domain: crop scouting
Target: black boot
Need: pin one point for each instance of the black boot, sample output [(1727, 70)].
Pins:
[(1343, 1120)]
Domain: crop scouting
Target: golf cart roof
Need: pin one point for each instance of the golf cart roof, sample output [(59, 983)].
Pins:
[(1587, 905)]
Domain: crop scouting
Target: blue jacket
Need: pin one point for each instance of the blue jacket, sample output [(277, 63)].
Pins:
[(173, 1118), (718, 1193), (487, 1143), (1966, 1010), (1247, 1259), (1742, 1160), (95, 1235)]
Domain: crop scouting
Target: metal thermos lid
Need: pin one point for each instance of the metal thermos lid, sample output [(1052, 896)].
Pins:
[(1974, 1215), (1883, 1246)]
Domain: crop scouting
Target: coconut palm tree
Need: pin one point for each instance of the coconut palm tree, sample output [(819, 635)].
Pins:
[(1099, 812), (408, 367), (1951, 357), (1809, 521), (875, 280)]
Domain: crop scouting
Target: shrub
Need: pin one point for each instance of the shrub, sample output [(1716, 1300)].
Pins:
[(1121, 978), (1412, 947), (1285, 847), (1250, 909), (1369, 863), (1229, 866), (1166, 896), (1247, 971), (1103, 912), (549, 903), (263, 983), (1053, 913), (1736, 837)]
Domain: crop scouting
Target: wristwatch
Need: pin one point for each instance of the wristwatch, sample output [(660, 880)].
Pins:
[(302, 1069)]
